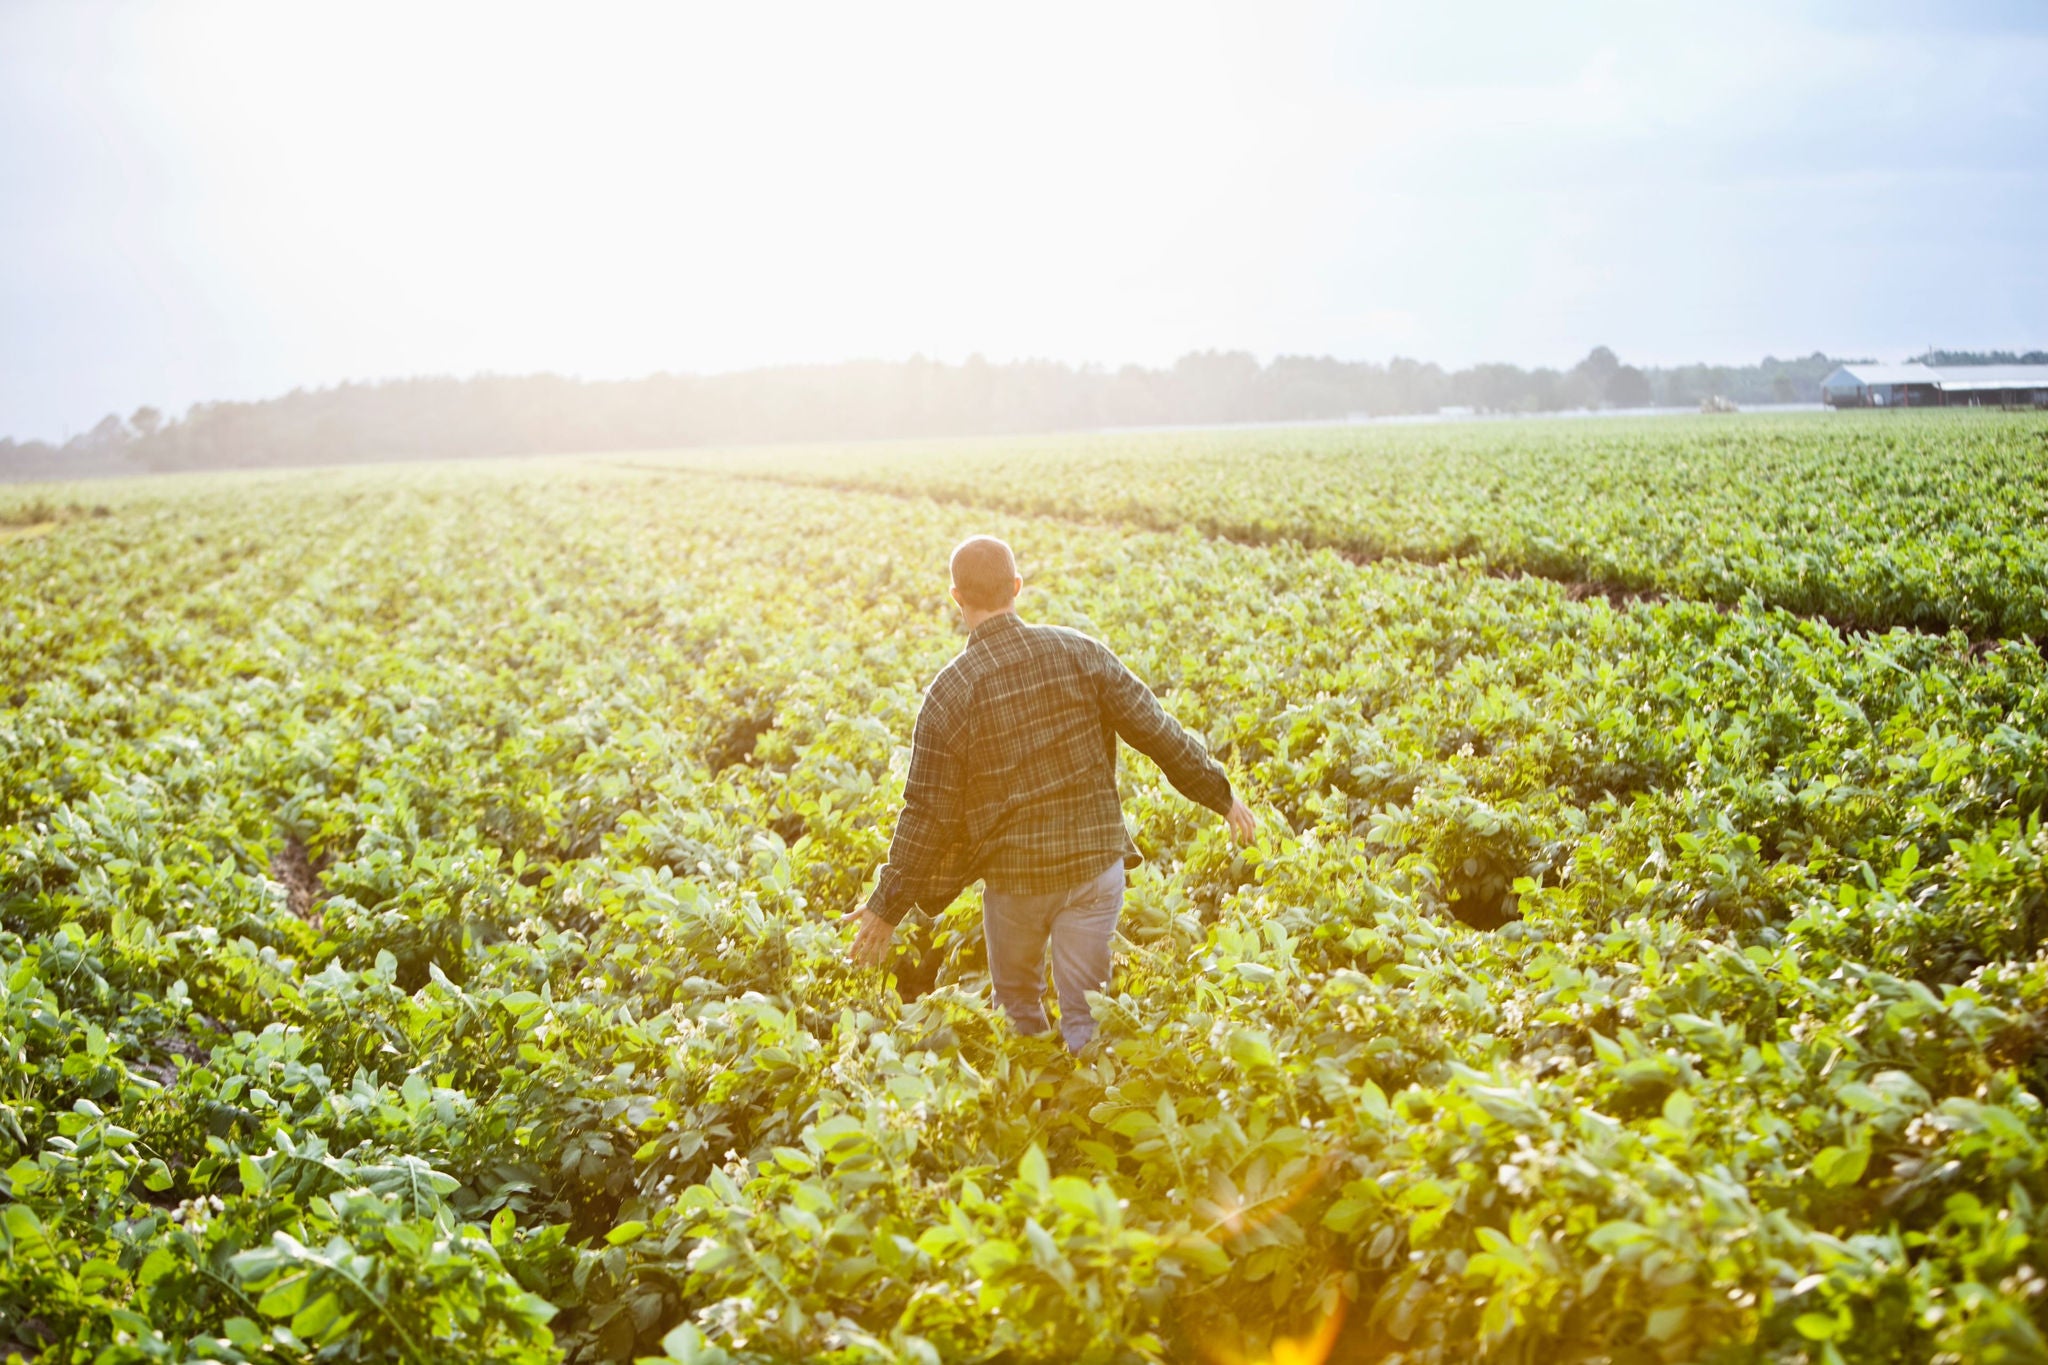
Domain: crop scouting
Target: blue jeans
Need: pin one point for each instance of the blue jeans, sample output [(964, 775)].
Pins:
[(1080, 924)]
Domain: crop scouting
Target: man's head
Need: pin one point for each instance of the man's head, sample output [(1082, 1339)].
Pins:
[(984, 575)]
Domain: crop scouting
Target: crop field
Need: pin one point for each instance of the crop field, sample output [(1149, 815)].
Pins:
[(1871, 520), (420, 896)]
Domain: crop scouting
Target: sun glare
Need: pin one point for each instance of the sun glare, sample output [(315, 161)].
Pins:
[(707, 187)]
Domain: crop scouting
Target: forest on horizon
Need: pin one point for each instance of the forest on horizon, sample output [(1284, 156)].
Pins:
[(446, 417)]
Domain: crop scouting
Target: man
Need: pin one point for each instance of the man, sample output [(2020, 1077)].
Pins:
[(1013, 780)]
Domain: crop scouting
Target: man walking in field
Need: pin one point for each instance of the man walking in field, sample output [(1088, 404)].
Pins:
[(1013, 780)]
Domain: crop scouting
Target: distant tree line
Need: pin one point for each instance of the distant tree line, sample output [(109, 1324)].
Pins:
[(432, 418), (1980, 358)]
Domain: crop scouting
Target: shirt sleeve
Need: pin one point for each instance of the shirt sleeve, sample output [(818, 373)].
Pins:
[(1145, 726), (926, 855)]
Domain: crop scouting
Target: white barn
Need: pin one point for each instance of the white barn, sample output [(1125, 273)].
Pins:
[(1936, 386)]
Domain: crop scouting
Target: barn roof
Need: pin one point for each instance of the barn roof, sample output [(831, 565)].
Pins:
[(1868, 375), (1966, 377), (1947, 378)]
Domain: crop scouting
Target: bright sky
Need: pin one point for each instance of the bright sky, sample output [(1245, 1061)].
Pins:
[(229, 200)]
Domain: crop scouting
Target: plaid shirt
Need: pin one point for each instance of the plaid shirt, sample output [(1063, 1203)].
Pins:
[(1013, 768)]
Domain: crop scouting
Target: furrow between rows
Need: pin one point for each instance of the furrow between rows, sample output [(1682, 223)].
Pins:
[(1618, 595)]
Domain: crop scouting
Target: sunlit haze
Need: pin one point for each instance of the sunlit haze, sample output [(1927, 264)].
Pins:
[(231, 200)]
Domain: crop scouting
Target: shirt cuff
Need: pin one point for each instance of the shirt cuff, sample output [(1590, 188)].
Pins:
[(889, 903), (1221, 805)]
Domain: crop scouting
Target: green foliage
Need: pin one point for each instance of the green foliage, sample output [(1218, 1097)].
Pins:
[(1929, 520), (419, 939)]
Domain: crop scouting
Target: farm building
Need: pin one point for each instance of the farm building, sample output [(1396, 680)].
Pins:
[(1936, 386)]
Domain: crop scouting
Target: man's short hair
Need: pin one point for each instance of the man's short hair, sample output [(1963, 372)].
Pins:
[(985, 572)]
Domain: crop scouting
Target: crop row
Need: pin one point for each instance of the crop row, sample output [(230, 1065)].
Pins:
[(1927, 520), (418, 908)]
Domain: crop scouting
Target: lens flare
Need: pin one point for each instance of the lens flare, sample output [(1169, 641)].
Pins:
[(1313, 1348)]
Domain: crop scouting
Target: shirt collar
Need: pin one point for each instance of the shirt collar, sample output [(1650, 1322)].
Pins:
[(1001, 621)]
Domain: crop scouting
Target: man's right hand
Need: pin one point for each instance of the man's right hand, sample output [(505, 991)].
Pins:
[(871, 943), (1242, 827)]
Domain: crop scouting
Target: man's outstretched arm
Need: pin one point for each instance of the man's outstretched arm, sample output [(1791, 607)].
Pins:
[(924, 866), (1145, 726)]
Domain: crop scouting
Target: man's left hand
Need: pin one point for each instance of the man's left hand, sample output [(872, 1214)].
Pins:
[(871, 944)]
